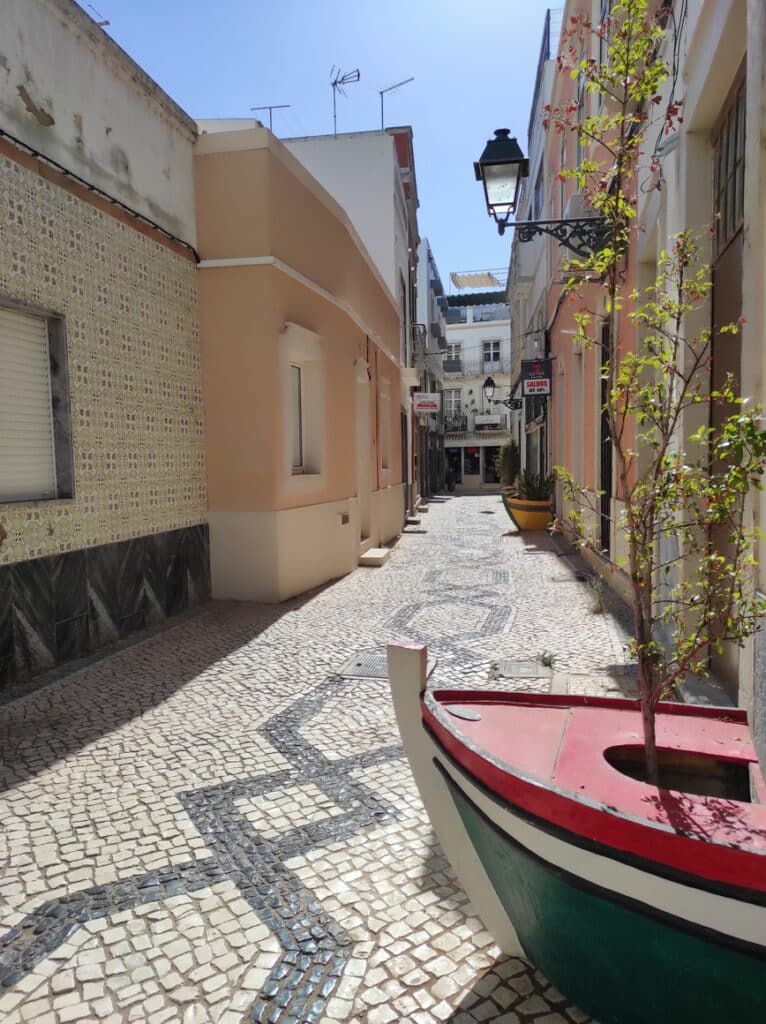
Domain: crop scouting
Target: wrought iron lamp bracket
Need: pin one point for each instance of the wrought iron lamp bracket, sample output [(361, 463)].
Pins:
[(581, 235)]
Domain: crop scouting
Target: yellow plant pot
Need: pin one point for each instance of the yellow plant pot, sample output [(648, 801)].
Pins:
[(528, 514)]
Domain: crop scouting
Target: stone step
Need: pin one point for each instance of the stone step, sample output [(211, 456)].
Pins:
[(412, 521), (375, 556)]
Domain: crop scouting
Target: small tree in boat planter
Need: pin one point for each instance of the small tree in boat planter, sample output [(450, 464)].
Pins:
[(681, 491)]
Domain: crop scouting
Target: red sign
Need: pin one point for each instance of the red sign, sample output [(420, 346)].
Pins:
[(535, 377), (424, 401)]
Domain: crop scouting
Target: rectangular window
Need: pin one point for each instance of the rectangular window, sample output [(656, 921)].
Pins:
[(729, 171), (491, 351), (28, 464), (452, 402), (454, 351), (537, 206), (385, 425), (296, 397)]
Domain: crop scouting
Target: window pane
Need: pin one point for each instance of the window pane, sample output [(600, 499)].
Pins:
[(27, 463), (297, 417)]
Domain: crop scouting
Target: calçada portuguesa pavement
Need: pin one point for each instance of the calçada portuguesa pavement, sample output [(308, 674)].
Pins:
[(217, 823)]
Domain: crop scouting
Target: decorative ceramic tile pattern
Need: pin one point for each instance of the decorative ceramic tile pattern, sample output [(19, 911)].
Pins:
[(134, 366)]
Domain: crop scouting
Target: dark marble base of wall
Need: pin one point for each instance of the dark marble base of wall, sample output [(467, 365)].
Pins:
[(53, 610)]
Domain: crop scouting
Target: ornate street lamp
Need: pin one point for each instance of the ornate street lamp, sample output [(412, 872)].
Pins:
[(489, 394), (500, 169)]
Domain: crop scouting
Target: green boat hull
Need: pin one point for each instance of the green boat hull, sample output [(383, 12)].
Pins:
[(623, 964)]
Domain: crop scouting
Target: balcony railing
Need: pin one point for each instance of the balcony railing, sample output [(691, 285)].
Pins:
[(483, 314), (457, 423), (476, 367), (456, 315)]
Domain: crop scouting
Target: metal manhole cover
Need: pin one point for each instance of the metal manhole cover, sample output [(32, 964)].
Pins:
[(522, 670), (366, 665), (372, 664)]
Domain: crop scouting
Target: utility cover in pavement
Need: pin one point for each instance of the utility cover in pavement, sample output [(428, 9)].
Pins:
[(522, 670), (372, 664)]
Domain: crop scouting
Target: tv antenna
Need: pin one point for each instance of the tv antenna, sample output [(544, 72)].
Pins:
[(270, 107), (390, 89), (338, 79), (101, 21)]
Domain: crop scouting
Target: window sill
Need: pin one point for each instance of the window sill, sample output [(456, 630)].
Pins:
[(65, 498), (298, 483)]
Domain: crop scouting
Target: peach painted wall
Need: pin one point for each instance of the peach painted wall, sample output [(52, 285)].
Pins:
[(576, 407), (282, 267), (267, 203)]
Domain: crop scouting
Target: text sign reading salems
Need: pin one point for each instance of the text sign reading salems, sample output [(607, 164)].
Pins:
[(424, 401), (535, 377)]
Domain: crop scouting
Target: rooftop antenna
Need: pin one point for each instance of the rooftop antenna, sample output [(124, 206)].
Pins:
[(100, 19), (270, 107), (390, 89), (337, 80)]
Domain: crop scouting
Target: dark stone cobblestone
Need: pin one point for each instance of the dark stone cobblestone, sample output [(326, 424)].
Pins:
[(215, 826)]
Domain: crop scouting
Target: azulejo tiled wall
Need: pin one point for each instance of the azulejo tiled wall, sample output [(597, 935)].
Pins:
[(62, 607), (130, 305)]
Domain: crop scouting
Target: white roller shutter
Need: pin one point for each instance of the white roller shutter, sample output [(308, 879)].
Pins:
[(27, 464)]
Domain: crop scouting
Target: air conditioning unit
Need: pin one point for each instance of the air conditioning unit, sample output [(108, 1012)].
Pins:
[(577, 208)]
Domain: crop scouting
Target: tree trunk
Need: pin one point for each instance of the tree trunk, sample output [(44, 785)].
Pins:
[(648, 722)]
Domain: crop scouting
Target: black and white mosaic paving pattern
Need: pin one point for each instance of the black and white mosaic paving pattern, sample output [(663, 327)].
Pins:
[(215, 825)]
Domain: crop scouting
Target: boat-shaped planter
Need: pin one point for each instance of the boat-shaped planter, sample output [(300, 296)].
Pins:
[(640, 903)]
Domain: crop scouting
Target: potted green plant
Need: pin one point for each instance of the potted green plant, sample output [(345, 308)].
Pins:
[(529, 500), (507, 463)]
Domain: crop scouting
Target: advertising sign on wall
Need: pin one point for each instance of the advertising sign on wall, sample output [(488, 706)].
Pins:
[(535, 377), (424, 401)]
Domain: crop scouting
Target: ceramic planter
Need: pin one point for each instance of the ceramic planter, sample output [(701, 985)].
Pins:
[(528, 514)]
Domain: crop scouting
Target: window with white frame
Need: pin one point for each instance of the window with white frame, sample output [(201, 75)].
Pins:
[(296, 415), (491, 355), (35, 446), (454, 350), (384, 414), (303, 405), (452, 402)]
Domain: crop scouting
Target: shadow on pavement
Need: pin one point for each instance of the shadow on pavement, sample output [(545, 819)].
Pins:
[(71, 707)]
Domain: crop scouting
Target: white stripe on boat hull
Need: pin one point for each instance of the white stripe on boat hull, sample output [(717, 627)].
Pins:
[(745, 921)]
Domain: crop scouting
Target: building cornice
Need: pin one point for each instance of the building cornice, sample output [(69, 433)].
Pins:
[(307, 282), (241, 140)]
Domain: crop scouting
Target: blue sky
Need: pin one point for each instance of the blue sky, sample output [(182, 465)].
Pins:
[(474, 65)]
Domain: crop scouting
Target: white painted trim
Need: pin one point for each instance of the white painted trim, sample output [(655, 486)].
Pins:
[(296, 275), (719, 913)]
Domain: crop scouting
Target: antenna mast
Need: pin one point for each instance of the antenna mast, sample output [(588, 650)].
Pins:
[(270, 107), (390, 89), (337, 80)]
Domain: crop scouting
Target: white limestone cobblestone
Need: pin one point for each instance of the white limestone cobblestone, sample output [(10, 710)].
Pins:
[(93, 765)]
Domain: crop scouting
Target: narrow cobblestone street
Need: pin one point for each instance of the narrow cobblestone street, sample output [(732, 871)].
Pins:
[(217, 824)]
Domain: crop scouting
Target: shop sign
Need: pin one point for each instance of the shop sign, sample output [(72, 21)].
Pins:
[(426, 401), (535, 377)]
